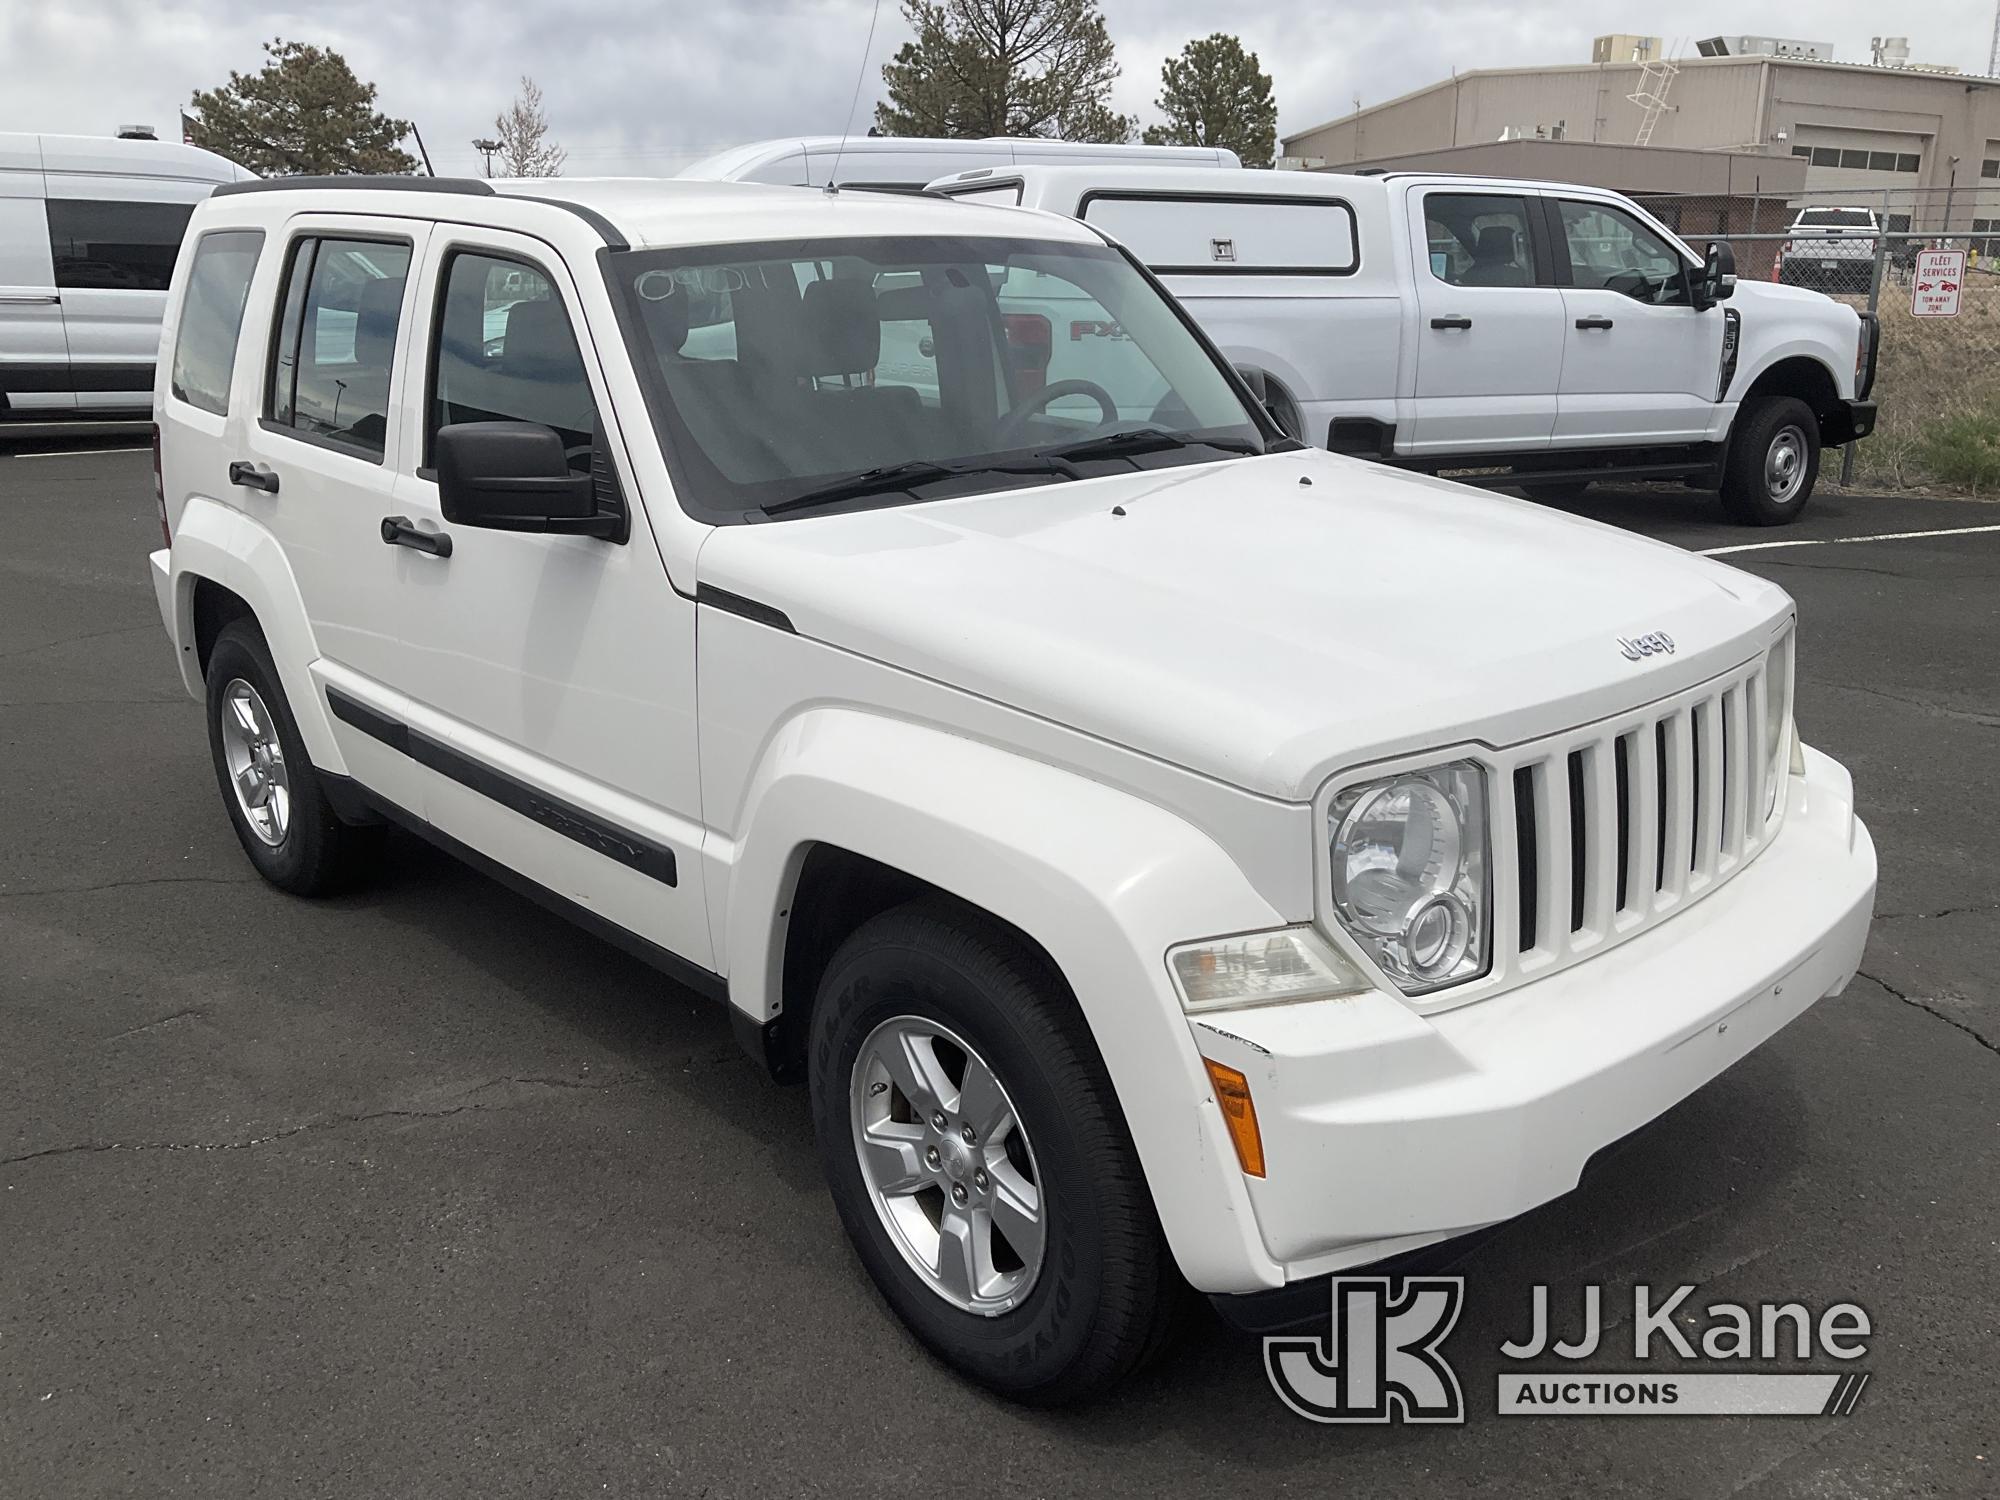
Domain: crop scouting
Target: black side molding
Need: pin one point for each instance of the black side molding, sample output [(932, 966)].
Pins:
[(56, 375), (566, 818), (708, 985), (749, 609)]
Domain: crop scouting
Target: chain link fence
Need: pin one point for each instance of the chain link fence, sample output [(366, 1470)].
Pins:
[(1937, 380)]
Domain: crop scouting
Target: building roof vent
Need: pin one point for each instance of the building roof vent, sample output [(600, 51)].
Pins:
[(1890, 51)]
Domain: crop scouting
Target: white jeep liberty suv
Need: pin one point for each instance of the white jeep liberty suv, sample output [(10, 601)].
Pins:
[(1171, 856)]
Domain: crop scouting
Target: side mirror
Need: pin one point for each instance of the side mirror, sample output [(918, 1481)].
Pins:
[(1718, 275), (515, 476)]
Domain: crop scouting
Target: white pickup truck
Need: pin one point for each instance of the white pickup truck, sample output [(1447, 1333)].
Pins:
[(1170, 854), (1522, 333)]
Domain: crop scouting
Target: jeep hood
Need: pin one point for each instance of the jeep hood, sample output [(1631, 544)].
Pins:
[(1265, 621)]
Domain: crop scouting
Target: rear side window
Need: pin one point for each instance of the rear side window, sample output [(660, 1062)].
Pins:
[(1479, 239), (212, 316), (104, 245), (336, 342), (506, 353), (1246, 235)]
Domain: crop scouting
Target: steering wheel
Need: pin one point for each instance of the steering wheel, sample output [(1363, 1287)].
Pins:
[(1013, 424)]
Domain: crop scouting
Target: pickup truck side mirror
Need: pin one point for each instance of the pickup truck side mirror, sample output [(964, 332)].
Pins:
[(515, 476), (1717, 282)]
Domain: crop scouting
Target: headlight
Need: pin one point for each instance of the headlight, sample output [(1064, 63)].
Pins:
[(1777, 720), (1262, 968), (1409, 874)]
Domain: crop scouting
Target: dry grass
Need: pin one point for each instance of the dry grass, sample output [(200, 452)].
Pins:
[(1937, 384)]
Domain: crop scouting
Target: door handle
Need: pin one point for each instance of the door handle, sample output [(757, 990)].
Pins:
[(401, 531), (30, 299), (252, 478), (1593, 322), (1451, 322)]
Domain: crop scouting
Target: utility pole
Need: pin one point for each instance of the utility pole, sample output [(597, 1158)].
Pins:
[(486, 146), (1993, 57)]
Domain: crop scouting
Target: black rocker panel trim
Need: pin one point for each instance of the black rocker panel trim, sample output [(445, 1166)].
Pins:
[(566, 818)]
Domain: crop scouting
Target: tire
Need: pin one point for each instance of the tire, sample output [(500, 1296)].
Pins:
[(1761, 486), (1555, 492), (1103, 1295), (286, 826)]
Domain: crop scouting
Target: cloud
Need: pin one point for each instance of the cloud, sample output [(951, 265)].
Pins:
[(638, 87)]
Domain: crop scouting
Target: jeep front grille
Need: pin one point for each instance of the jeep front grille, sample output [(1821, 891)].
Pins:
[(1602, 832)]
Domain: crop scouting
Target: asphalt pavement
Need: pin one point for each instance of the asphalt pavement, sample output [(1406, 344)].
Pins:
[(422, 1192)]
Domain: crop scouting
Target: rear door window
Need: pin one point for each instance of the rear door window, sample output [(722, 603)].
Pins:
[(212, 317), (336, 345), (105, 245), (1479, 239)]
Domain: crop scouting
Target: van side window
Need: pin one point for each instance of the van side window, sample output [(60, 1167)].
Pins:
[(506, 353), (109, 246), (336, 346), (1479, 239), (212, 316)]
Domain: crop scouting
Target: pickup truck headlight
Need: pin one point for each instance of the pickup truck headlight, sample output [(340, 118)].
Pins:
[(1410, 879)]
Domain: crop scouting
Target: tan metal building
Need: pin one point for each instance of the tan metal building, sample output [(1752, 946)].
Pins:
[(1923, 135)]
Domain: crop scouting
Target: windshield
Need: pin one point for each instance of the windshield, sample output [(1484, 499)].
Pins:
[(1846, 218), (783, 377)]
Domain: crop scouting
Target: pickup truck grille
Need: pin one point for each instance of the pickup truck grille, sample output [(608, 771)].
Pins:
[(1604, 831)]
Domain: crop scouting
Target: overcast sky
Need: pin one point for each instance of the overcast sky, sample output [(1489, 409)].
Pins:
[(640, 86)]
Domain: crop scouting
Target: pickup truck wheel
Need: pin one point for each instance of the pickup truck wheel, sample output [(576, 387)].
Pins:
[(979, 1160), (1556, 491), (269, 787), (1773, 462)]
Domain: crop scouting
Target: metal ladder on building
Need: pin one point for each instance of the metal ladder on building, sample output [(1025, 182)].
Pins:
[(1655, 79)]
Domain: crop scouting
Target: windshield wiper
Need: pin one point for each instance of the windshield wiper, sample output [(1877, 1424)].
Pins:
[(1136, 440), (892, 477)]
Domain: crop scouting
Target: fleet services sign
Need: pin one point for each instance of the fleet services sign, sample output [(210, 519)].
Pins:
[(1934, 289)]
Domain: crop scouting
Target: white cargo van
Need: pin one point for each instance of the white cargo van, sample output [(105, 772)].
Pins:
[(1536, 334), (89, 228), (908, 163)]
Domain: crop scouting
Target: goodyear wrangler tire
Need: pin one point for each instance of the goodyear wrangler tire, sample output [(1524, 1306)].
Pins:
[(979, 1160), (1773, 462)]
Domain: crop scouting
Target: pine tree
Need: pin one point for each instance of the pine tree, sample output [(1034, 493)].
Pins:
[(304, 113), (1003, 67)]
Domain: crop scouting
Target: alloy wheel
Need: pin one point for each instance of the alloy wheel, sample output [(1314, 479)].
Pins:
[(947, 1165)]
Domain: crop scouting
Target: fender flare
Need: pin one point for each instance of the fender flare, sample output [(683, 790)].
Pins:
[(1103, 881), (221, 544)]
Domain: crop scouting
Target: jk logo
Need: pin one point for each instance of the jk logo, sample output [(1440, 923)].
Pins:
[(1380, 1360)]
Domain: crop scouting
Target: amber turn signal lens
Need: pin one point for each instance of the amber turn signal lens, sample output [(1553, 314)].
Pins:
[(1232, 1092)]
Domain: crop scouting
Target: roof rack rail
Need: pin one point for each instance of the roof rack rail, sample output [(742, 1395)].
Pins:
[(469, 186), (371, 182)]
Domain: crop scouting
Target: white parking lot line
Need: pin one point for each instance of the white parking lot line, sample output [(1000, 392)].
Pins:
[(1840, 541)]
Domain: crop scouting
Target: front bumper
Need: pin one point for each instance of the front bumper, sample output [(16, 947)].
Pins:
[(1384, 1130), (1848, 422)]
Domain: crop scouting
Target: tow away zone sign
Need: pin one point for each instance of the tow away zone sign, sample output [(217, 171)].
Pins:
[(1934, 289)]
